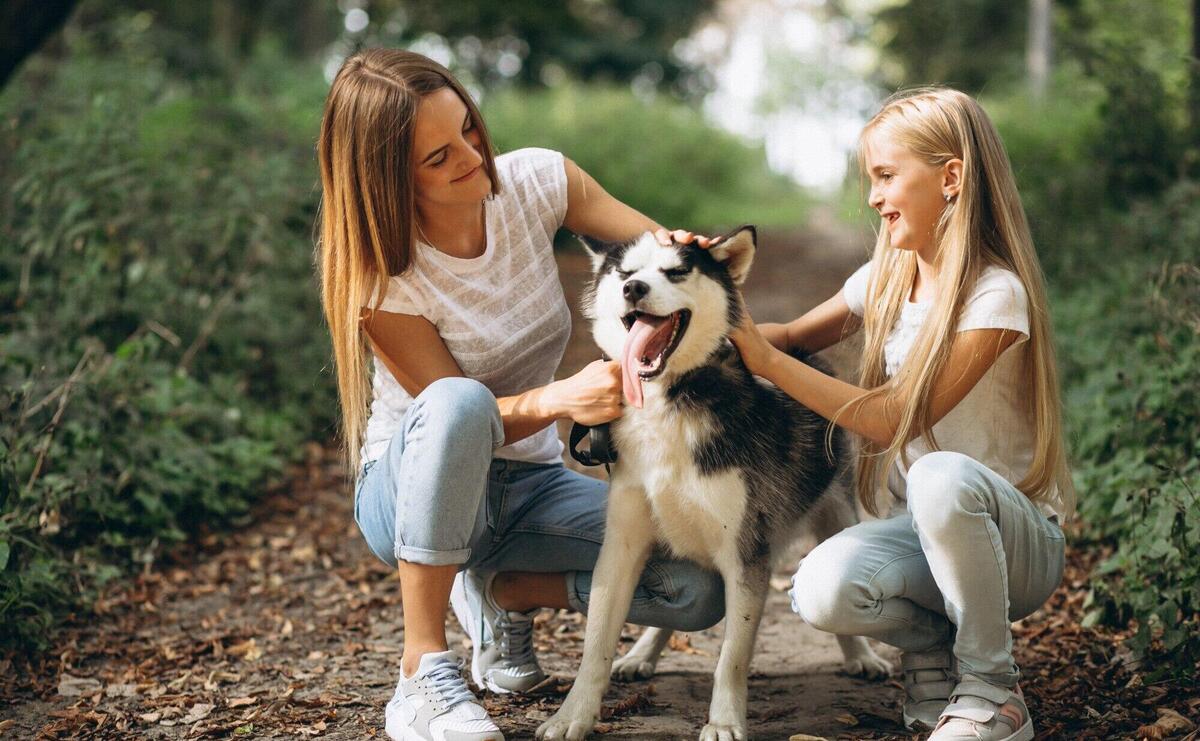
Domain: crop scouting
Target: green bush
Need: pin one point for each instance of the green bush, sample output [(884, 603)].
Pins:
[(161, 346), (660, 157), (1129, 334)]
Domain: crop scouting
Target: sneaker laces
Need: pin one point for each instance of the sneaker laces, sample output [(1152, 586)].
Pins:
[(516, 638), (447, 680)]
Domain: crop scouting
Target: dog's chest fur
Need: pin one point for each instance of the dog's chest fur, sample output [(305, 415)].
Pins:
[(696, 515)]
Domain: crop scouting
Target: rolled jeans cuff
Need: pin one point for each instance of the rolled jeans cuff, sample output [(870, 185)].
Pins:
[(426, 557), (577, 603)]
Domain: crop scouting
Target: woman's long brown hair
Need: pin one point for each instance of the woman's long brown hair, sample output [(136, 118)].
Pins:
[(368, 211)]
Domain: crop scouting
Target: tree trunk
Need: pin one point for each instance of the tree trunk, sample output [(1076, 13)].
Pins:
[(1039, 46), (24, 25), (1195, 78)]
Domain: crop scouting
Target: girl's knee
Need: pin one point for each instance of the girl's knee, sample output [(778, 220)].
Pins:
[(825, 591), (942, 483)]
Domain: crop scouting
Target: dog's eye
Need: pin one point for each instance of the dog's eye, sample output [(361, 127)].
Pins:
[(676, 274), (623, 274)]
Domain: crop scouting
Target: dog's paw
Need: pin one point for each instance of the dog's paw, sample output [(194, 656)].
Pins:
[(866, 663), (723, 732), (566, 725), (633, 666)]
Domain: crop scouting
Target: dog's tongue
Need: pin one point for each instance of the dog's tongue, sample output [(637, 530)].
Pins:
[(639, 338)]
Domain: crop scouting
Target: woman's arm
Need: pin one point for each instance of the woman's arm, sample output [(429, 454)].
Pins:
[(972, 353), (413, 351), (592, 211), (822, 326)]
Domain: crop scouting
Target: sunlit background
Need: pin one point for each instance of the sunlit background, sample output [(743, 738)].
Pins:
[(162, 353)]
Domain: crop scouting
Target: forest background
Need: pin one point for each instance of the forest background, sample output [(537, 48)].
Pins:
[(162, 354)]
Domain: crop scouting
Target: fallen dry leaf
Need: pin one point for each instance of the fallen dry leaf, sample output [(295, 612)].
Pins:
[(69, 686)]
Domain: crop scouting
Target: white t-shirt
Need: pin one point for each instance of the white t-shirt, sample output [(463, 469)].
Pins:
[(990, 424), (502, 315)]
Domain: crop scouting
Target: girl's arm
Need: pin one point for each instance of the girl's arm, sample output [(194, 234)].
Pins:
[(413, 351), (822, 326), (972, 353)]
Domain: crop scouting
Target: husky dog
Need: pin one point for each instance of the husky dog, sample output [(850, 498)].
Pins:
[(714, 464)]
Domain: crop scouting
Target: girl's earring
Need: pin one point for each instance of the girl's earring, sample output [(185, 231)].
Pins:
[(946, 196)]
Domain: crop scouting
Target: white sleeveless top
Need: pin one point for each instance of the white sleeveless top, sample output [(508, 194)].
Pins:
[(990, 424), (502, 315)]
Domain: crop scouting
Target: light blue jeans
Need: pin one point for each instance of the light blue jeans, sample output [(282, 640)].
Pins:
[(970, 555), (438, 497)]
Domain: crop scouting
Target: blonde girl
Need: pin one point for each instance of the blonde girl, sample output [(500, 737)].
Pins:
[(448, 322), (957, 409)]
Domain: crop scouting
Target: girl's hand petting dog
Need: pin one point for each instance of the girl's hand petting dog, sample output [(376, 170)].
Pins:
[(755, 350)]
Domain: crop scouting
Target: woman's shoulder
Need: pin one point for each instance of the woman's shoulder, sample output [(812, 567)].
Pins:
[(530, 162), (534, 178)]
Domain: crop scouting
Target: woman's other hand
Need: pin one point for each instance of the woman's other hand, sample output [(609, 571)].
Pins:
[(590, 397)]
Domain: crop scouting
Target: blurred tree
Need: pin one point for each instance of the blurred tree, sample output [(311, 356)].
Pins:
[(1195, 85), (1039, 48), (24, 25), (964, 43), (536, 42)]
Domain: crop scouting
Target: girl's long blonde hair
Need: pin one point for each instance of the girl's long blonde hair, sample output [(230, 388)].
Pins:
[(984, 225), (368, 205)]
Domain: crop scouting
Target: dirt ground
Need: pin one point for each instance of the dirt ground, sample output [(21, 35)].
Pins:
[(291, 628)]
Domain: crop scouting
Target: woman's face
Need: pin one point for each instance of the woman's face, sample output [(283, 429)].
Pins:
[(448, 164), (907, 193)]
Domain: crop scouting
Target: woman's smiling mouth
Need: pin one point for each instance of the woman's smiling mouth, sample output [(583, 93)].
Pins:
[(469, 174)]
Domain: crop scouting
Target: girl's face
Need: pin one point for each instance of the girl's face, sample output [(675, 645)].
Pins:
[(908, 193), (447, 162)]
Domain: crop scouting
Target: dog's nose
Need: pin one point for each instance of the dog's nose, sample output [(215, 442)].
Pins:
[(635, 289)]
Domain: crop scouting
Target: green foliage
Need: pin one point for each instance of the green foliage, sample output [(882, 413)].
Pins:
[(533, 42), (161, 346), (962, 43), (660, 157), (1130, 338)]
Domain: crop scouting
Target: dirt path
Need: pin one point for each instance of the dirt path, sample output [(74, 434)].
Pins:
[(291, 628)]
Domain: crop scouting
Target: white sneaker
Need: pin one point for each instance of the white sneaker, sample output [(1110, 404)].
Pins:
[(434, 704), (502, 657), (980, 711), (929, 678)]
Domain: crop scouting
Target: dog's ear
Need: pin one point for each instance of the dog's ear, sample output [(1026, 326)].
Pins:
[(597, 249), (736, 252)]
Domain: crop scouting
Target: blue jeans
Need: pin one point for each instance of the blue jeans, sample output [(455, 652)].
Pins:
[(437, 497), (971, 555)]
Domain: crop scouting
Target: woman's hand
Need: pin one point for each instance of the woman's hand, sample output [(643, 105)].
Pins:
[(590, 397), (757, 353), (681, 236)]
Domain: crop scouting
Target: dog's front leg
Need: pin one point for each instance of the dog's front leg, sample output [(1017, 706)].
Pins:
[(745, 593), (628, 537)]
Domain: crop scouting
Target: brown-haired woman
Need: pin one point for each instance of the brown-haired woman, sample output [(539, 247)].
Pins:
[(436, 258)]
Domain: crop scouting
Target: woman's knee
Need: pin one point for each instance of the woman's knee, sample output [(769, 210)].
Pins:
[(694, 595), (702, 600), (459, 408)]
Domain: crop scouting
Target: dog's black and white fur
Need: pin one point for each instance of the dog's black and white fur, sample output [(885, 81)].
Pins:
[(717, 466)]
